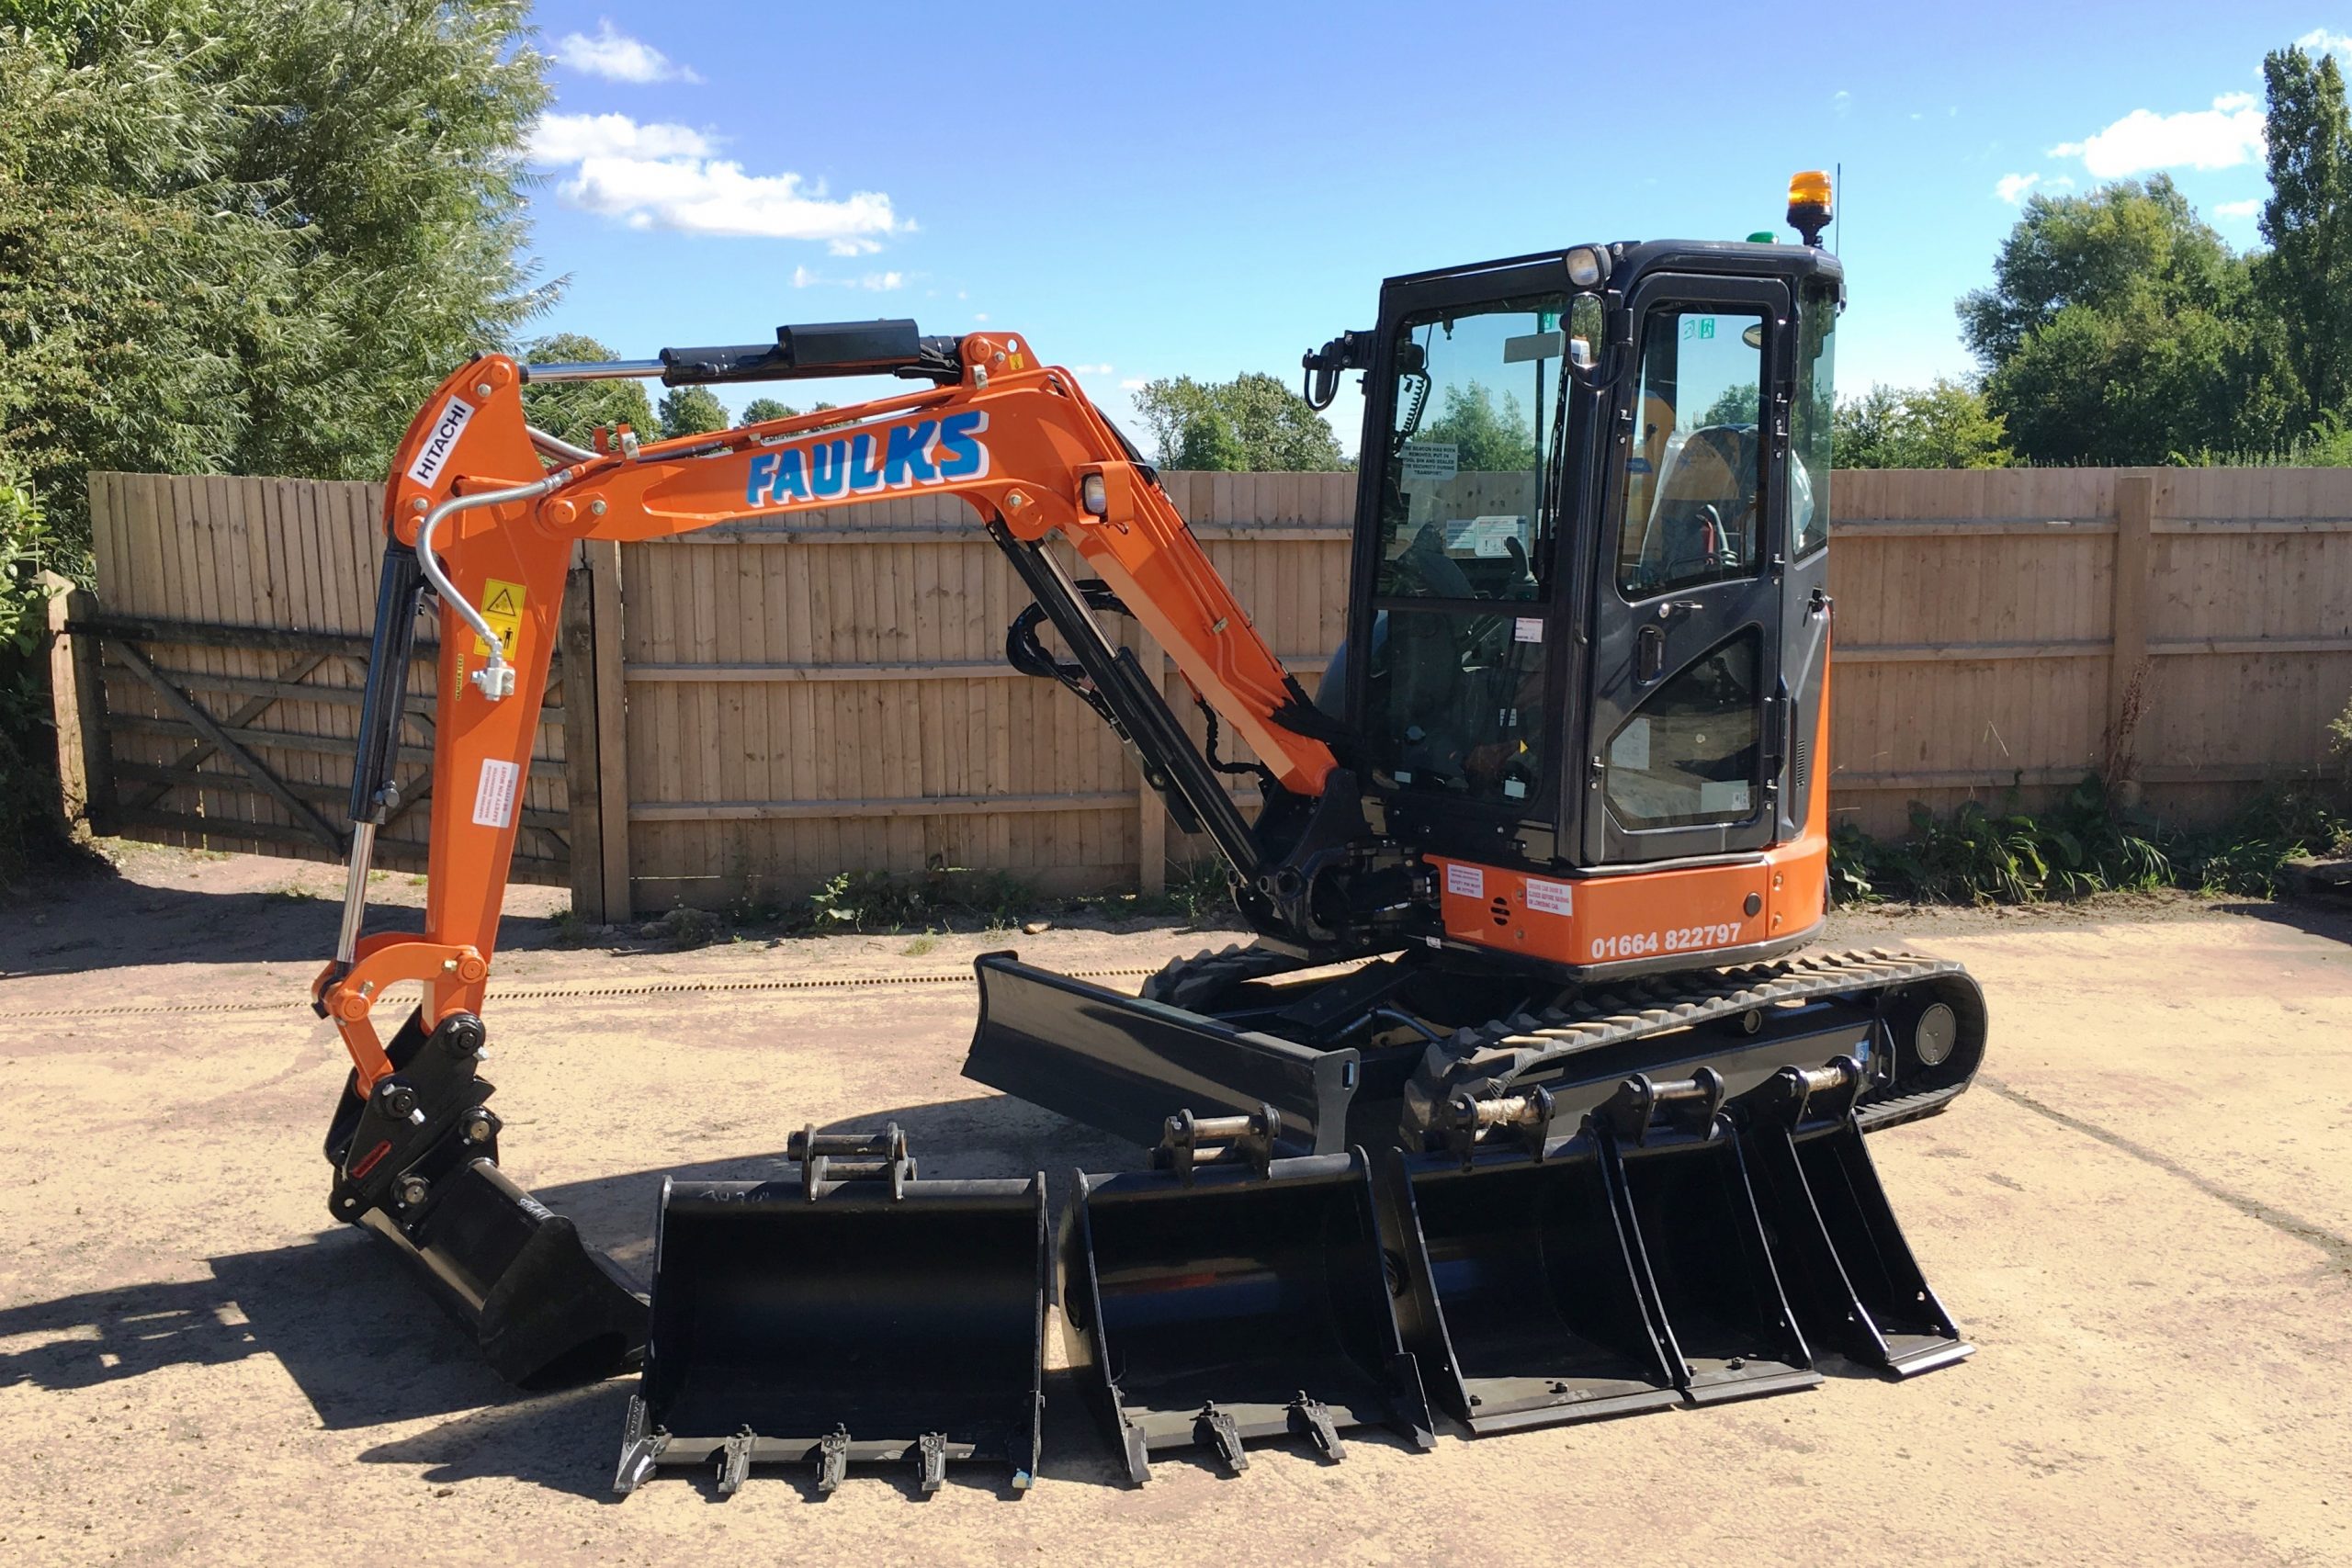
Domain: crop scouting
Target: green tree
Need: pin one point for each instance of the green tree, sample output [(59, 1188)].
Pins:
[(1944, 424), (2307, 277), (762, 409), (690, 410), (1253, 423), (2119, 329), (1486, 439), (251, 235), (572, 410)]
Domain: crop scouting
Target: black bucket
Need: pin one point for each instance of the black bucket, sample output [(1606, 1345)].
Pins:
[(1849, 1271), (1524, 1300), (855, 1314), (1234, 1296), (416, 1163), (1619, 1269)]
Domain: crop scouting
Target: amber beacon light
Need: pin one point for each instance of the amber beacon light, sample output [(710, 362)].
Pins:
[(1809, 203)]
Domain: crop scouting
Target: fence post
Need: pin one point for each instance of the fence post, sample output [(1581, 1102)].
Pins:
[(581, 772), (609, 692), (2127, 676), (77, 696)]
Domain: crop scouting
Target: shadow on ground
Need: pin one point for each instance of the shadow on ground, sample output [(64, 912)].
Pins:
[(368, 1346), (76, 926)]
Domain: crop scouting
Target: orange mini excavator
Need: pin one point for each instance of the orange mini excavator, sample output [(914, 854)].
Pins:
[(1528, 875)]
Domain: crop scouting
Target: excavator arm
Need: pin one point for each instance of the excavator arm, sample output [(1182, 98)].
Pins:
[(486, 511)]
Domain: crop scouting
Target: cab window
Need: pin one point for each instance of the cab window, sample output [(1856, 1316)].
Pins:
[(1692, 488), (1465, 509)]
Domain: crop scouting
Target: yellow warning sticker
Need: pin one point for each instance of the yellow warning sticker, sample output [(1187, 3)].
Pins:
[(502, 606)]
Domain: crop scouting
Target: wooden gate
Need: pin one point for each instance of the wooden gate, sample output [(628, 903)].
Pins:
[(208, 692)]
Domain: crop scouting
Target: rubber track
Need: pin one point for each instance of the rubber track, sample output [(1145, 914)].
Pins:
[(1492, 1060)]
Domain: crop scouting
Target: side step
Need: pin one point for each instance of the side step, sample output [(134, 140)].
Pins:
[(854, 1314), (1232, 1295), (417, 1164)]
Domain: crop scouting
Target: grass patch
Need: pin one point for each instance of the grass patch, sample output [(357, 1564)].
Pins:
[(2085, 845)]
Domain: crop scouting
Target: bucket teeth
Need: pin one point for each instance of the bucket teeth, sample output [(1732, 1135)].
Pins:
[(640, 1449), (1313, 1418), (931, 1460), (735, 1463), (1217, 1430), (833, 1459)]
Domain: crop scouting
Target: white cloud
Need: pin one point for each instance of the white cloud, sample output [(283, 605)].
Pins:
[(878, 282), (2223, 137), (2319, 41), (1091, 370), (571, 138), (617, 57), (2011, 188), (2059, 182), (1841, 101), (980, 316), (1132, 384), (2241, 209), (663, 177)]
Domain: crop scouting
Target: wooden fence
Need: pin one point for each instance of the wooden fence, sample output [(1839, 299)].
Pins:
[(768, 703)]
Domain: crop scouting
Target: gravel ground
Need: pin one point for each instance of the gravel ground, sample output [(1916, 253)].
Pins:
[(2141, 1216)]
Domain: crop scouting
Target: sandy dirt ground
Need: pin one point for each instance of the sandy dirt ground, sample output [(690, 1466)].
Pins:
[(2141, 1216)]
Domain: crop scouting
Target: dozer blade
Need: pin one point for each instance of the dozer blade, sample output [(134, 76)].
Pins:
[(855, 1314), (1232, 1295), (1619, 1269), (1849, 1272), (416, 1163)]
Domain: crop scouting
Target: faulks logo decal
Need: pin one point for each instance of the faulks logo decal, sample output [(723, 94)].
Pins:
[(440, 441), (899, 457)]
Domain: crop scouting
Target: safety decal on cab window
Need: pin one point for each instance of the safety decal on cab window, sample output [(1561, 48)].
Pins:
[(502, 606)]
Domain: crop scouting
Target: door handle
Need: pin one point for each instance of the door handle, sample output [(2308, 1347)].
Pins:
[(1673, 608), (1649, 654)]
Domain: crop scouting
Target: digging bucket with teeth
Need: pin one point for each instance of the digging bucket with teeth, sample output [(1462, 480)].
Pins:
[(416, 1162), (851, 1314), (1231, 1296)]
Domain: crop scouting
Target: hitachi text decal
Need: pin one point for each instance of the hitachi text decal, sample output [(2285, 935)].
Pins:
[(900, 456), (440, 441)]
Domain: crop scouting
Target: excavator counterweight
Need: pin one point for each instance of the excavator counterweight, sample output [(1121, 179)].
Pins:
[(1525, 1095)]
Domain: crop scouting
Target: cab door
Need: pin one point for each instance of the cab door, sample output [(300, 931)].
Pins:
[(1687, 732)]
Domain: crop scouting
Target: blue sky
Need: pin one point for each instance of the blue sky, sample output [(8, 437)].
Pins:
[(1206, 188)]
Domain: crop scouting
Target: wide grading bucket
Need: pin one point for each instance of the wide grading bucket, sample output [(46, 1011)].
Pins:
[(1232, 1295), (416, 1163), (855, 1314)]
